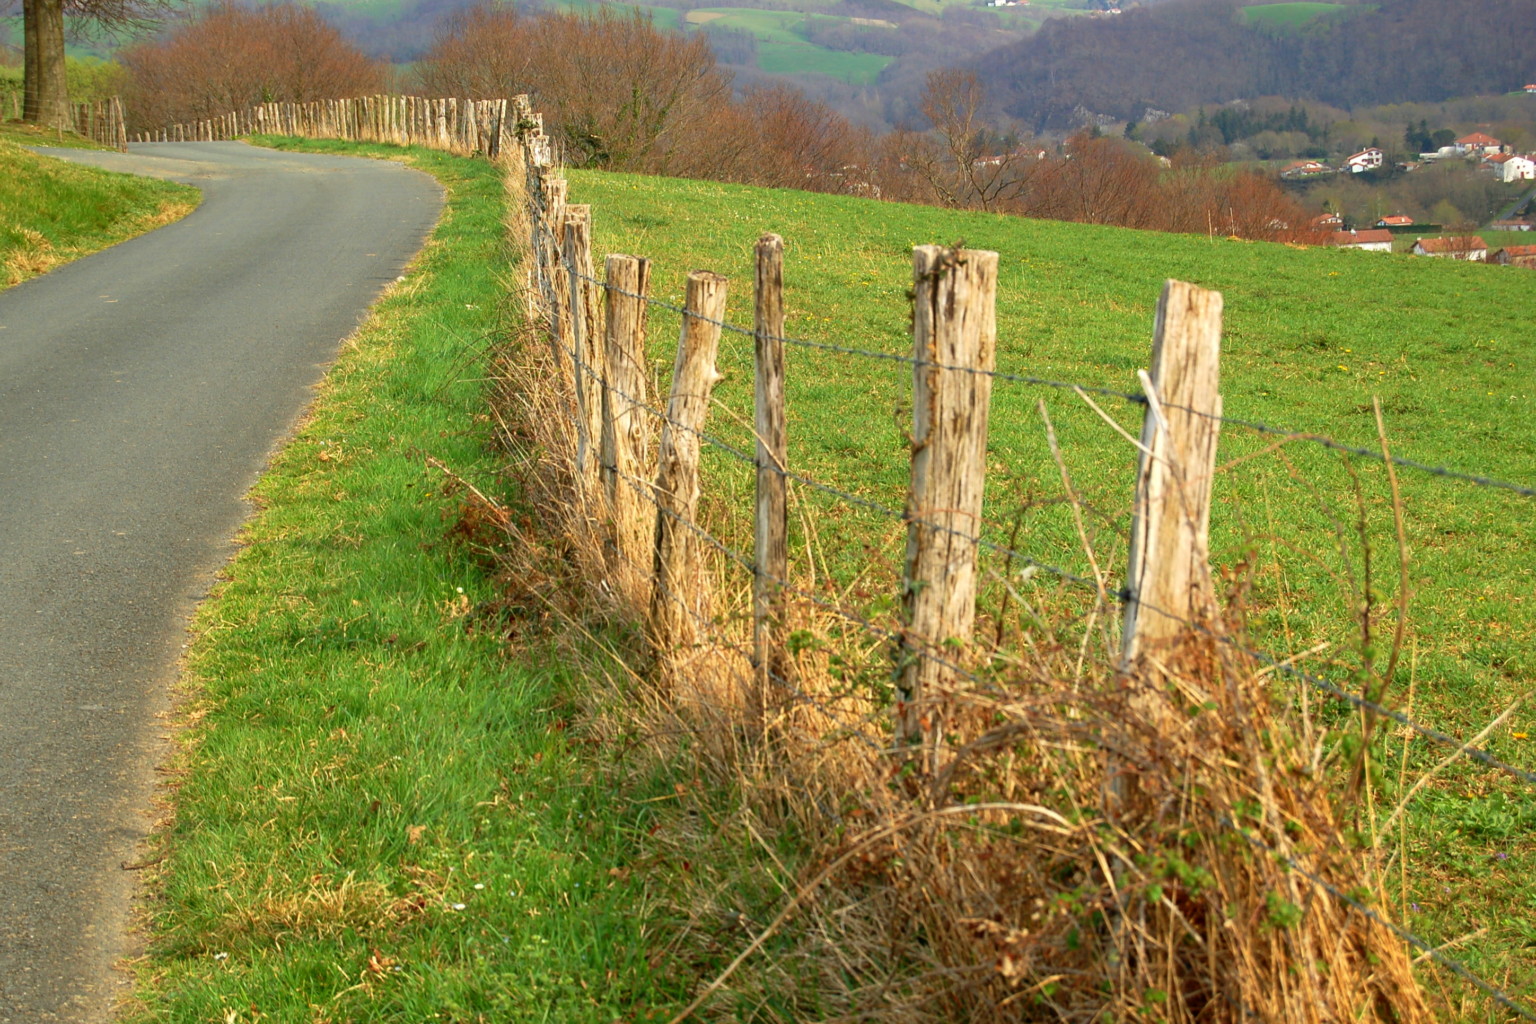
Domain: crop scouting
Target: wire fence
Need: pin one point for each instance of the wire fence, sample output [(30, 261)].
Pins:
[(563, 281)]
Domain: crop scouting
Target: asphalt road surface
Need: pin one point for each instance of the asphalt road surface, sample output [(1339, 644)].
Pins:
[(141, 391)]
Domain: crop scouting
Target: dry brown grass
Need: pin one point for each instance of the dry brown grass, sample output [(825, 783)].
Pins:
[(33, 255), (1095, 847)]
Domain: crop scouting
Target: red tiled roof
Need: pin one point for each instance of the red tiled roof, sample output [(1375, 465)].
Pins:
[(1397, 219), (1361, 237), (1520, 250), (1477, 139), (1462, 244)]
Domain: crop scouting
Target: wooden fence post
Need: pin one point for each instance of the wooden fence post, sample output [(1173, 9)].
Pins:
[(676, 585), (1168, 579), (954, 336), (549, 212), (771, 532), (626, 427), (586, 343)]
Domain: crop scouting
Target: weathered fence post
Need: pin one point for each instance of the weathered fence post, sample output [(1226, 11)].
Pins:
[(771, 533), (549, 212), (1168, 579), (677, 585), (626, 427), (954, 336), (586, 344)]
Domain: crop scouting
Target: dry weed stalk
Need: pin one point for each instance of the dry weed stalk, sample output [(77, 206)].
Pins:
[(1019, 883)]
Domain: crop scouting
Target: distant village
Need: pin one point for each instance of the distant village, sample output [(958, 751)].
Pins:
[(1493, 156)]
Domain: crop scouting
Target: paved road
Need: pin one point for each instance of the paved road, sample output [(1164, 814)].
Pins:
[(141, 390)]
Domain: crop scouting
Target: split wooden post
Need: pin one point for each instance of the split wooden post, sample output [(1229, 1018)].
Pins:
[(1168, 578), (626, 426), (586, 341), (771, 557), (954, 336), (548, 211), (676, 569)]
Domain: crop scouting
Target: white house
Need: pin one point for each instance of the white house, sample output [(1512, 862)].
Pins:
[(1365, 160), (1507, 167), (1369, 240), (1471, 248)]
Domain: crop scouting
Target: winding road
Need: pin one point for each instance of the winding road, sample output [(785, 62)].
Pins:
[(141, 391)]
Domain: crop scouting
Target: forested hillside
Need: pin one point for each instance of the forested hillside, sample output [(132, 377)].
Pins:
[(1176, 55)]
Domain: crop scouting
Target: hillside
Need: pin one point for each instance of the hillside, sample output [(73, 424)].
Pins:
[(1177, 55)]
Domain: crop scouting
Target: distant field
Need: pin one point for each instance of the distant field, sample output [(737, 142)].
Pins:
[(803, 58), (1292, 16), (768, 26)]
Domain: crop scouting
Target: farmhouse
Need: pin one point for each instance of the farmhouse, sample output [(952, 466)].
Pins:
[(1507, 167), (1304, 169), (1464, 247), (1478, 142), (1366, 160), (1326, 222), (1368, 240), (1516, 256), (1397, 220)]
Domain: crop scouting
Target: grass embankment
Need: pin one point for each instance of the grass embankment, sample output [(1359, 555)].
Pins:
[(1312, 336), (377, 816), (52, 212)]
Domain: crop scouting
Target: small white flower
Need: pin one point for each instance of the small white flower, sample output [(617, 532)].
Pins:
[(458, 906), (221, 956)]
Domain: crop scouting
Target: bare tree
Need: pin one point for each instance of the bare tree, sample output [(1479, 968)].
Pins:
[(963, 161), (229, 57)]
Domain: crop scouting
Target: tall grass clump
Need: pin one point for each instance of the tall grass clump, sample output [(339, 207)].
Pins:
[(1176, 843), (52, 211)]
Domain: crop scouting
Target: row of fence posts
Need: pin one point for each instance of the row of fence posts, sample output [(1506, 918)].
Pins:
[(102, 122), (599, 340), (464, 126)]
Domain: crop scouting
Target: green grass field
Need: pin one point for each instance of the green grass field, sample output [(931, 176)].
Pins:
[(52, 212), (1312, 336), (1291, 17), (803, 59)]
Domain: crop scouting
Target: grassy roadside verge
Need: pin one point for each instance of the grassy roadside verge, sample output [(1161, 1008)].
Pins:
[(377, 815), (52, 212)]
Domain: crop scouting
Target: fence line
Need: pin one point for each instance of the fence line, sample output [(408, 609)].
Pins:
[(565, 286), (1135, 398), (464, 126), (100, 121)]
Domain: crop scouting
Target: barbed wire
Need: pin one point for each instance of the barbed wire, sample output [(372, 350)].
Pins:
[(1124, 595), (1130, 397)]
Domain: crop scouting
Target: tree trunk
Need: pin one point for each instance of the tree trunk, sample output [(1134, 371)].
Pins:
[(45, 94)]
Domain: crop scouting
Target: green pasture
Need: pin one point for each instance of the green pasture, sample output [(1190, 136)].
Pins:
[(803, 58), (768, 26), (783, 48), (1291, 17), (1312, 337)]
